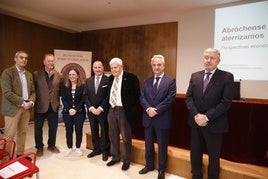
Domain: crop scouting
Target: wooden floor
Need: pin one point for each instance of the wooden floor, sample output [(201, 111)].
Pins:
[(179, 163)]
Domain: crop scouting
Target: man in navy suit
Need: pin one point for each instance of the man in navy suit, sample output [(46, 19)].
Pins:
[(157, 96), (208, 105), (96, 93), (123, 95)]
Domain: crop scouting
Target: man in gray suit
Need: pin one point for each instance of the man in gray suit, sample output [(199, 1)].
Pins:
[(18, 98), (156, 99), (208, 98), (47, 83)]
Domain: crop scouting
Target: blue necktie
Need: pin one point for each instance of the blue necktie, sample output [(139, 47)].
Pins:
[(156, 84), (206, 81)]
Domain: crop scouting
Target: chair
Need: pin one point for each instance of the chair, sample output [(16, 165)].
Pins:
[(30, 167), (6, 155)]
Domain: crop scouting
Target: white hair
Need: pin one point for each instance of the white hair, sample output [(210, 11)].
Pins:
[(213, 50), (160, 57), (117, 61)]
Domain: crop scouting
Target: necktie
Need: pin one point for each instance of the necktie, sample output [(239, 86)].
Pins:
[(206, 81), (114, 92), (156, 84), (97, 84)]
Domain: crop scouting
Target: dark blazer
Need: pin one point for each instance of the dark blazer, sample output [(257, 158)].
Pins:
[(44, 95), (98, 99), (162, 101), (12, 90), (214, 103), (68, 101), (130, 93)]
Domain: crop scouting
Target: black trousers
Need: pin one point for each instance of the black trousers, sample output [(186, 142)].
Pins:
[(201, 138), (39, 118), (74, 122), (100, 140)]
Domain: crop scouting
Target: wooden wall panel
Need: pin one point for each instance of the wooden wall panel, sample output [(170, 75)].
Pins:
[(16, 34), (135, 46)]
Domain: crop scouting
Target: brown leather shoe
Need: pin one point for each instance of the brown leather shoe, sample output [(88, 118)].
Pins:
[(53, 149), (40, 152)]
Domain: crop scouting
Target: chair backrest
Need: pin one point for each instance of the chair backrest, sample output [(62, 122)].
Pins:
[(7, 149)]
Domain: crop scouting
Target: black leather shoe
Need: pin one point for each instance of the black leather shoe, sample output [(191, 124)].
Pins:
[(93, 154), (161, 175), (104, 156), (112, 162), (125, 166), (145, 170)]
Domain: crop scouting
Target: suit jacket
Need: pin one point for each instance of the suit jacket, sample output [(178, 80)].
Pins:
[(12, 90), (99, 99), (130, 93), (214, 103), (69, 102), (44, 95), (162, 100)]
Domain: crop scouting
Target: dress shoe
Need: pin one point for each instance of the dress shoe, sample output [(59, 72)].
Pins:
[(161, 175), (104, 156), (93, 154), (112, 162), (145, 170), (27, 158), (39, 152), (53, 149), (125, 166)]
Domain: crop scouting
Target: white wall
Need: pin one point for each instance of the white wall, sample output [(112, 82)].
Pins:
[(195, 34)]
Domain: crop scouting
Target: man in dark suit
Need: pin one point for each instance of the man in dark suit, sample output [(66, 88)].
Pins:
[(47, 84), (157, 96), (123, 95), (208, 98), (17, 101), (96, 94)]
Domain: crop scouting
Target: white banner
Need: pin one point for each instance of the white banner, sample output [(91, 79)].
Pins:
[(66, 59)]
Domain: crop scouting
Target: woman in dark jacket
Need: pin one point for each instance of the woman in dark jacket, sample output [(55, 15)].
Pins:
[(73, 113)]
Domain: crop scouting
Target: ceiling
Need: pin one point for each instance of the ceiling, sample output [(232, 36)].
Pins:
[(79, 15)]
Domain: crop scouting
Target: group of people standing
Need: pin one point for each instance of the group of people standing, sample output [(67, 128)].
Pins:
[(110, 103)]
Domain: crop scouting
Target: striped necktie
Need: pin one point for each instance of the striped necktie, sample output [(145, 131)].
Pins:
[(114, 92)]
